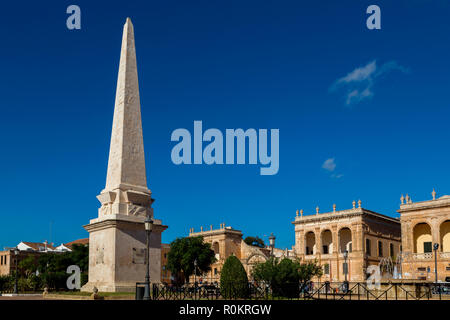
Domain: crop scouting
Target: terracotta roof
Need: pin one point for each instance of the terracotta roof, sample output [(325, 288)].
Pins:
[(84, 241), (37, 245)]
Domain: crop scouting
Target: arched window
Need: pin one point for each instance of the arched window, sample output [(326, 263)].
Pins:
[(445, 236), (422, 238)]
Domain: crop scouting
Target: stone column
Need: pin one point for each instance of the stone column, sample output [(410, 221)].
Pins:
[(300, 243), (318, 243), (336, 267), (434, 223)]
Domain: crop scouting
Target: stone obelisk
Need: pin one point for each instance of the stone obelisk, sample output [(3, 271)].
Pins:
[(117, 238)]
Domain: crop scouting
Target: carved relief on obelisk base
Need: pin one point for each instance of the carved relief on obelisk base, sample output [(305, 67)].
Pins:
[(117, 236)]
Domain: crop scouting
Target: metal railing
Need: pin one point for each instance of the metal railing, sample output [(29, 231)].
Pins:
[(386, 291), (303, 291)]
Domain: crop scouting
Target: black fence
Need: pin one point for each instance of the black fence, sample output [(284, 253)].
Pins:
[(384, 291), (303, 291)]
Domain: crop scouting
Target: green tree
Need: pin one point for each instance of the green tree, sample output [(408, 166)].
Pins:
[(285, 276), (53, 266), (28, 266), (6, 283), (233, 279), (309, 270), (183, 252), (255, 241), (80, 256)]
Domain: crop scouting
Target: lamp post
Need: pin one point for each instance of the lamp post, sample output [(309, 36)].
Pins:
[(16, 255), (148, 224), (435, 248), (272, 242), (345, 270), (195, 278), (195, 271)]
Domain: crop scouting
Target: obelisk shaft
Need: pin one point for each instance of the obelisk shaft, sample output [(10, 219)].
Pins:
[(126, 165)]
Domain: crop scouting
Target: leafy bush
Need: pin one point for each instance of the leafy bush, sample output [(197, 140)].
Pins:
[(285, 276), (233, 279), (6, 283), (84, 279), (54, 280)]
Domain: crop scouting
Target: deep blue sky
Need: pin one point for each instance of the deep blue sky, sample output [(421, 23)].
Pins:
[(231, 64)]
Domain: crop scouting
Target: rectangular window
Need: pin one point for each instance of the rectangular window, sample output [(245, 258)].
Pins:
[(215, 271), (427, 247), (391, 250), (326, 269), (380, 248), (422, 269), (325, 249), (368, 247)]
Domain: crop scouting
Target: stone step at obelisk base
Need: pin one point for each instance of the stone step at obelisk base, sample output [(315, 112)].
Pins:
[(117, 238)]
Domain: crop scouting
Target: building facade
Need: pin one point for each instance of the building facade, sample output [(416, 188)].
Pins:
[(166, 275), (425, 224), (367, 236), (7, 262), (227, 241), (9, 259)]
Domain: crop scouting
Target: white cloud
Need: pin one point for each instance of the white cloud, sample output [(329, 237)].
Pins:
[(329, 165), (359, 83), (360, 74)]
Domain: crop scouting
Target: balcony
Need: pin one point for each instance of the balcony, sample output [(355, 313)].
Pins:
[(422, 256), (444, 255)]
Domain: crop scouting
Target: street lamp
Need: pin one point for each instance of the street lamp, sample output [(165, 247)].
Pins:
[(16, 255), (345, 269), (195, 271), (195, 278), (272, 242), (435, 248), (148, 224)]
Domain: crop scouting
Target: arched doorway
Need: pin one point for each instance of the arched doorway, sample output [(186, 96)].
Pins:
[(215, 247), (422, 238), (345, 240), (310, 243), (327, 242)]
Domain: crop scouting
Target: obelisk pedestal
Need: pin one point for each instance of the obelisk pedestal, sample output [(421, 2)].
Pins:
[(117, 238)]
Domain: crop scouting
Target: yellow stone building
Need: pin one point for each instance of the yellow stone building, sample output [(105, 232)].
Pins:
[(367, 236), (370, 239), (227, 241), (425, 224)]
